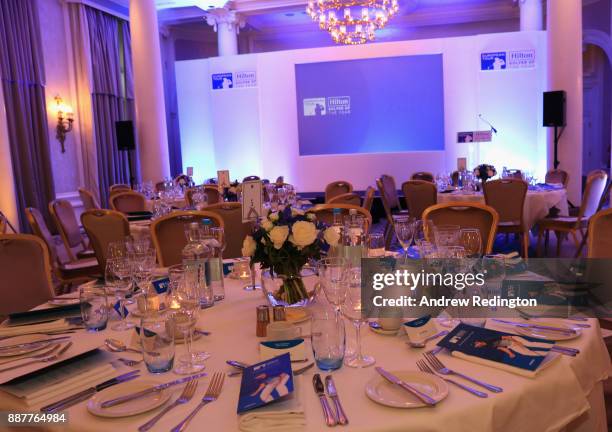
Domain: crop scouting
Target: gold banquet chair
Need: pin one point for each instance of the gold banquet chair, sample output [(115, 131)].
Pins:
[(89, 200), (212, 193), (391, 203), (557, 176), (465, 215), (25, 272), (337, 188), (347, 198), (600, 235), (368, 199), (128, 202), (65, 220), (168, 234), (235, 229), (419, 194), (422, 175), (325, 213), (104, 227)]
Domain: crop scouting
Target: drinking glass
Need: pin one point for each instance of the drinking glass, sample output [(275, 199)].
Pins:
[(157, 339), (281, 193), (94, 307), (352, 309), (376, 245), (139, 245), (116, 276), (117, 249), (447, 235), (215, 262), (142, 264), (332, 276), (184, 306), (404, 230), (471, 241), (328, 341)]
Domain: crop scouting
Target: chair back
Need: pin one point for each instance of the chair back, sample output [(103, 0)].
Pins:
[(336, 188), (89, 200), (65, 220), (3, 224), (25, 272), (119, 187), (455, 178), (600, 235), (514, 174), (104, 227), (466, 215), (128, 202), (235, 231), (423, 175), (388, 193), (325, 213), (40, 230), (212, 192), (507, 197), (558, 176), (593, 191), (347, 198), (419, 195), (368, 200), (168, 234), (251, 178)]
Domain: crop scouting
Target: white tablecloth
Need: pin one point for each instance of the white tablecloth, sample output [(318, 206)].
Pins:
[(567, 396), (537, 203)]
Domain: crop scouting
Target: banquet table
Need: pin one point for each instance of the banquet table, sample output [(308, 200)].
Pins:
[(567, 396), (537, 202)]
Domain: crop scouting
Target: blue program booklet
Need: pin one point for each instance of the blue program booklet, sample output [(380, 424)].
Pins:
[(519, 351), (265, 383)]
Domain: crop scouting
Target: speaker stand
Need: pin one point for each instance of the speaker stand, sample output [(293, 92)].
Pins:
[(556, 161), (129, 158)]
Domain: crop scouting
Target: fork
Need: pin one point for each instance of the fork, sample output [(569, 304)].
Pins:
[(425, 368), (185, 397), (441, 369), (41, 360), (129, 362), (43, 354), (212, 394)]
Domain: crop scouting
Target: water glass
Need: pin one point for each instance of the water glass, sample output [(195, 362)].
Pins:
[(404, 231), (214, 266), (157, 339), (352, 309), (332, 276), (447, 235), (328, 341), (94, 307), (376, 245), (471, 242), (116, 278)]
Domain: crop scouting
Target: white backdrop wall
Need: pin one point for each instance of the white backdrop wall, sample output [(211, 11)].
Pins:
[(254, 130)]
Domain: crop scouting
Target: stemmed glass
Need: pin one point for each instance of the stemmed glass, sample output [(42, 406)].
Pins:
[(142, 264), (116, 276), (184, 306), (471, 241), (332, 276), (376, 245), (352, 309), (404, 230)]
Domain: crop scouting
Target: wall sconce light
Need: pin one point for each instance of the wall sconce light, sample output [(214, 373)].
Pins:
[(64, 121)]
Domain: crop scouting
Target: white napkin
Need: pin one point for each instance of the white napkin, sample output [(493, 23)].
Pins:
[(34, 328), (550, 357), (283, 416)]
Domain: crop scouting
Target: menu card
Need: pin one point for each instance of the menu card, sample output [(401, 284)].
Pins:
[(265, 383), (521, 352)]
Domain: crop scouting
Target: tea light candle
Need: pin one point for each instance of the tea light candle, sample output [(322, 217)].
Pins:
[(242, 269)]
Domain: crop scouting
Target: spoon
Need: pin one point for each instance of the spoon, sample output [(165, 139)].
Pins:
[(424, 342), (117, 346)]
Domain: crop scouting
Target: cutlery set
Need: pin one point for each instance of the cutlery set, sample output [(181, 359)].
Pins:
[(240, 366), (331, 416), (49, 356)]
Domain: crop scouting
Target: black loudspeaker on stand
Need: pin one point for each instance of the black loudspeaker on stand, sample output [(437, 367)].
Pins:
[(554, 116), (124, 131)]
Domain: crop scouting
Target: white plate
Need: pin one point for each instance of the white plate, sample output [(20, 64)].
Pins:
[(385, 393), (64, 302), (134, 407), (20, 340), (547, 334)]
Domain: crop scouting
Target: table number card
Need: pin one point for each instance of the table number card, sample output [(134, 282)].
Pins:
[(461, 164), (252, 200), (420, 328), (223, 179), (190, 171)]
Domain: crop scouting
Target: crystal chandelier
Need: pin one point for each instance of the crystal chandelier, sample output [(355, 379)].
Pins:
[(352, 22)]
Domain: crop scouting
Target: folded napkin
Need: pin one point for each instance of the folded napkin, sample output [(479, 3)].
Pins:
[(548, 360), (35, 328), (286, 415)]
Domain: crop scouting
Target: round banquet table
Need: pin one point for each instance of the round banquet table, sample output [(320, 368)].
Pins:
[(567, 396), (537, 203)]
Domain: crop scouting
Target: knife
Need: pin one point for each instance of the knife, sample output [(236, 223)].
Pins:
[(333, 395), (31, 344), (425, 398), (137, 395), (87, 393), (537, 326), (320, 391)]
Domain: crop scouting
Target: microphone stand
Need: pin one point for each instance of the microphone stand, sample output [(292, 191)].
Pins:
[(488, 123)]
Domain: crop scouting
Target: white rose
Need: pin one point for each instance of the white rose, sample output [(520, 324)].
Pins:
[(248, 246), (267, 225), (304, 233), (311, 216), (278, 235), (273, 216), (331, 236)]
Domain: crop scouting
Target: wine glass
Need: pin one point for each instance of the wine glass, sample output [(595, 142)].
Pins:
[(184, 306), (332, 276), (471, 241), (142, 264), (446, 235), (404, 230), (352, 309), (116, 277)]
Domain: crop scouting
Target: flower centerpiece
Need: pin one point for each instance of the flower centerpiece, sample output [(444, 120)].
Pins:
[(284, 242), (484, 172)]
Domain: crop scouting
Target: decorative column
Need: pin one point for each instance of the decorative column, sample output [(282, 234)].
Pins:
[(564, 40), (532, 15), (149, 91), (227, 23), (8, 198)]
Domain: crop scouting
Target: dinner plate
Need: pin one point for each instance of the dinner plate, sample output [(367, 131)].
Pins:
[(134, 407), (386, 393), (21, 340), (548, 334)]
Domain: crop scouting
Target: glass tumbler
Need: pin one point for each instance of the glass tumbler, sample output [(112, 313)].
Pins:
[(157, 339)]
